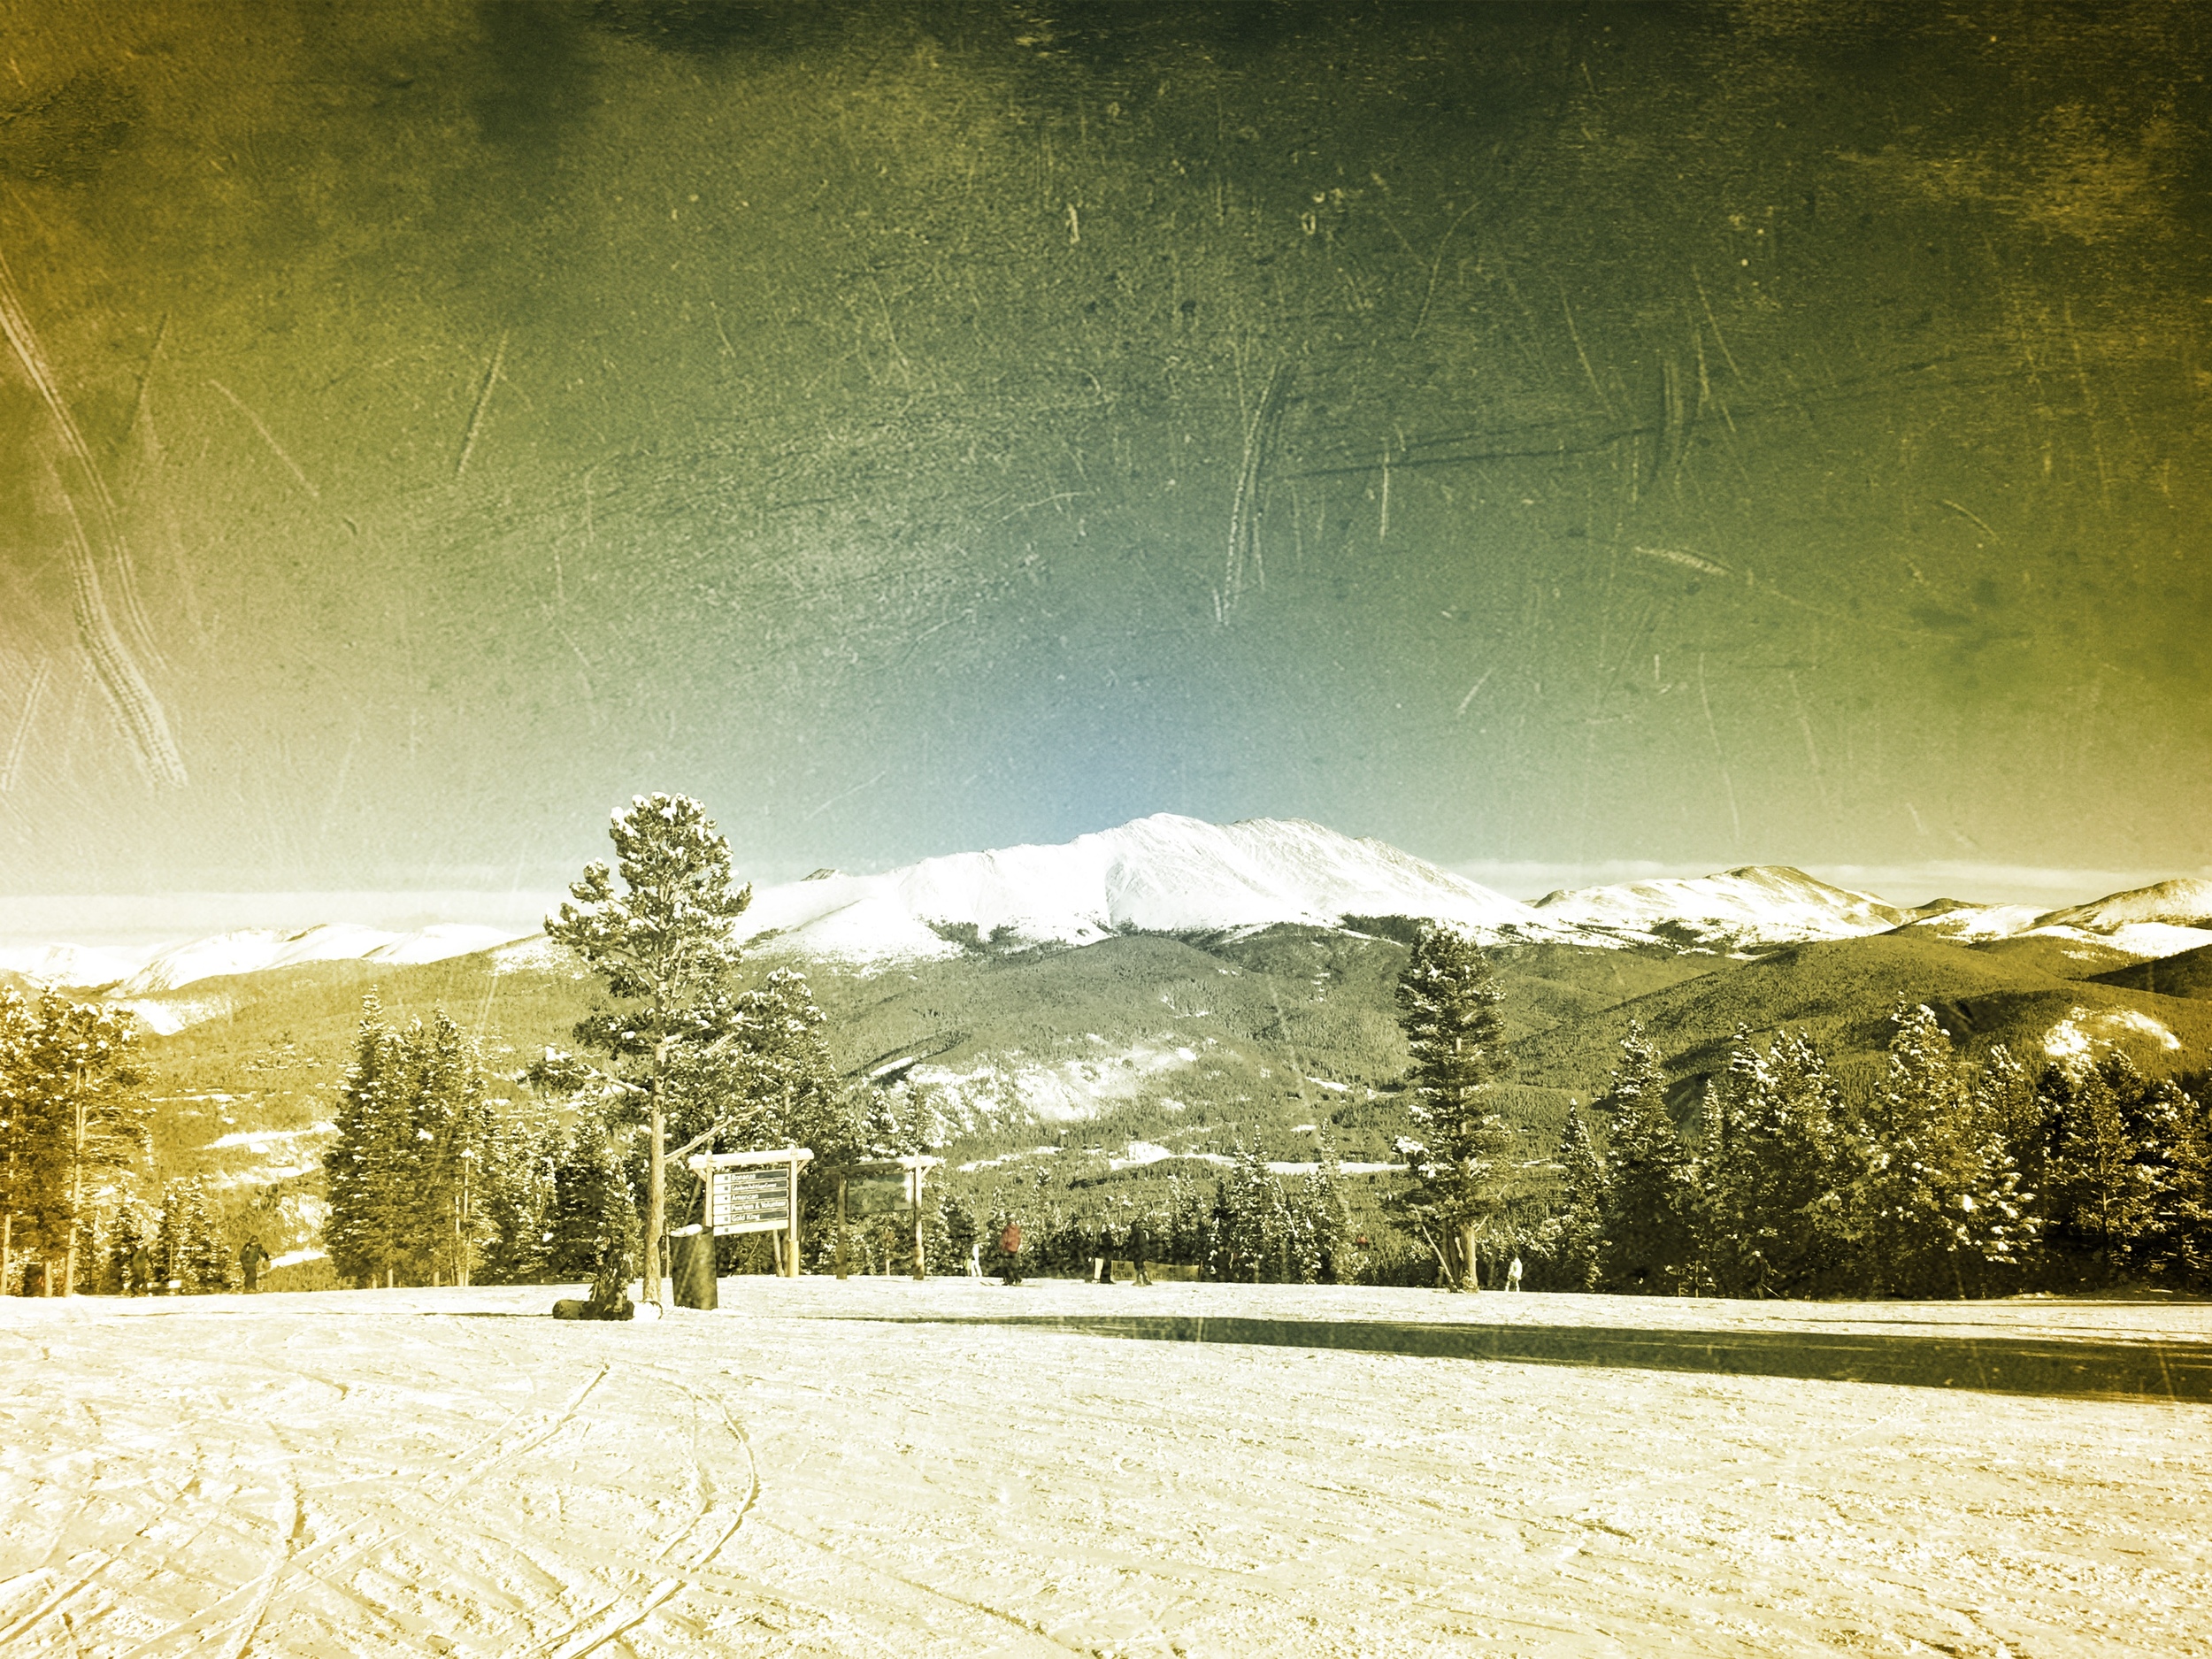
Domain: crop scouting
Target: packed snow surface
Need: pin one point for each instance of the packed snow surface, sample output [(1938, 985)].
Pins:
[(452, 1473), (1160, 874)]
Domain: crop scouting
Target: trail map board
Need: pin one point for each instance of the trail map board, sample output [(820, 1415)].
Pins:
[(755, 1192), (749, 1200)]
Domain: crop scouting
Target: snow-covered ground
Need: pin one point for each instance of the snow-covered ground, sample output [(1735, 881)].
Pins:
[(451, 1471)]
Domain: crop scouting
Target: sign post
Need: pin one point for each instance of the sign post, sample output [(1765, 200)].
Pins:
[(755, 1192), (916, 1166)]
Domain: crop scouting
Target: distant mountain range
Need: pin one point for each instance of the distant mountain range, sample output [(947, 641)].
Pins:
[(1155, 996), (1170, 875)]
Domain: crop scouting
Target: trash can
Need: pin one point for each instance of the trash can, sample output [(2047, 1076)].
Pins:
[(691, 1262)]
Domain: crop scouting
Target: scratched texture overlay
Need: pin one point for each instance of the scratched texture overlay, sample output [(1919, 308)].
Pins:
[(1697, 432)]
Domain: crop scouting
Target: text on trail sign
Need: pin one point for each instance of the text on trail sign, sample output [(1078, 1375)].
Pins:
[(745, 1200), (752, 1192)]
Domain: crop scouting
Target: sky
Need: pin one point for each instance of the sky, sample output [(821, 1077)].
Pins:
[(1551, 439)]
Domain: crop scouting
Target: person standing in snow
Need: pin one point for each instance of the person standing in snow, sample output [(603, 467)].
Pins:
[(1009, 1245), (252, 1259), (1139, 1244), (1513, 1275), (975, 1258)]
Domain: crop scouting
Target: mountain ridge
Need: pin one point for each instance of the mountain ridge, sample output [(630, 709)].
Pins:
[(1175, 875)]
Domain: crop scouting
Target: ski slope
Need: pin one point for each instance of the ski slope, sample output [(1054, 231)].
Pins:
[(452, 1473)]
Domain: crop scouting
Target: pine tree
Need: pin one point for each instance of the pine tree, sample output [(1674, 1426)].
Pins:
[(666, 948), (1729, 1213), (1939, 1199), (2185, 1217), (69, 1095), (1327, 1223), (1648, 1242), (518, 1164), (406, 1175), (188, 1254), (16, 1207), (2103, 1172), (595, 1222), (130, 1246), (361, 1174), (1459, 1155), (1579, 1238)]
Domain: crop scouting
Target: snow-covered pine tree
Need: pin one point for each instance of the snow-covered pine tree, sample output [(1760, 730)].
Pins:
[(594, 1223), (1578, 1237), (665, 947), (519, 1162), (207, 1266), (452, 1121), (130, 1234), (69, 1084), (189, 1249), (2104, 1174), (1648, 1245), (1807, 1165), (1328, 1223), (1727, 1171), (1460, 1150), (2186, 1208), (367, 1167), (17, 1210), (1939, 1199)]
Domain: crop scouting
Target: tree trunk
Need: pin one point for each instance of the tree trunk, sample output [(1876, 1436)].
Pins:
[(76, 1191), (1470, 1260), (656, 1205)]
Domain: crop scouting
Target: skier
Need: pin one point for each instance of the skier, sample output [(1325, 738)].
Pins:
[(1139, 1244), (1009, 1245), (1513, 1275), (252, 1259), (975, 1259)]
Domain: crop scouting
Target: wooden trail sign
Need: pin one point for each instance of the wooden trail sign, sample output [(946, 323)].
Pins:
[(755, 1192)]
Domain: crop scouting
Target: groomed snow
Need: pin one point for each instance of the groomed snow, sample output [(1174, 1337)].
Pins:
[(452, 1473)]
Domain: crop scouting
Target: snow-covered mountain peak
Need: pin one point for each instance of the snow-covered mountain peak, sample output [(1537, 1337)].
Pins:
[(1752, 906), (1160, 874), (2184, 902)]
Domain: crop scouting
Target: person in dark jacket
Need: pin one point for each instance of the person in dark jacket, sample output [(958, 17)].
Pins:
[(1139, 1247)]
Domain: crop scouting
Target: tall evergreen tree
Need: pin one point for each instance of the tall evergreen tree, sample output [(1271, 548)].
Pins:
[(594, 1223), (1729, 1213), (1939, 1200), (18, 1208), (522, 1152), (69, 1095), (1579, 1238), (1649, 1246), (1460, 1152), (189, 1251), (407, 1175), (2104, 1173), (2185, 1210), (365, 1166), (666, 948)]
